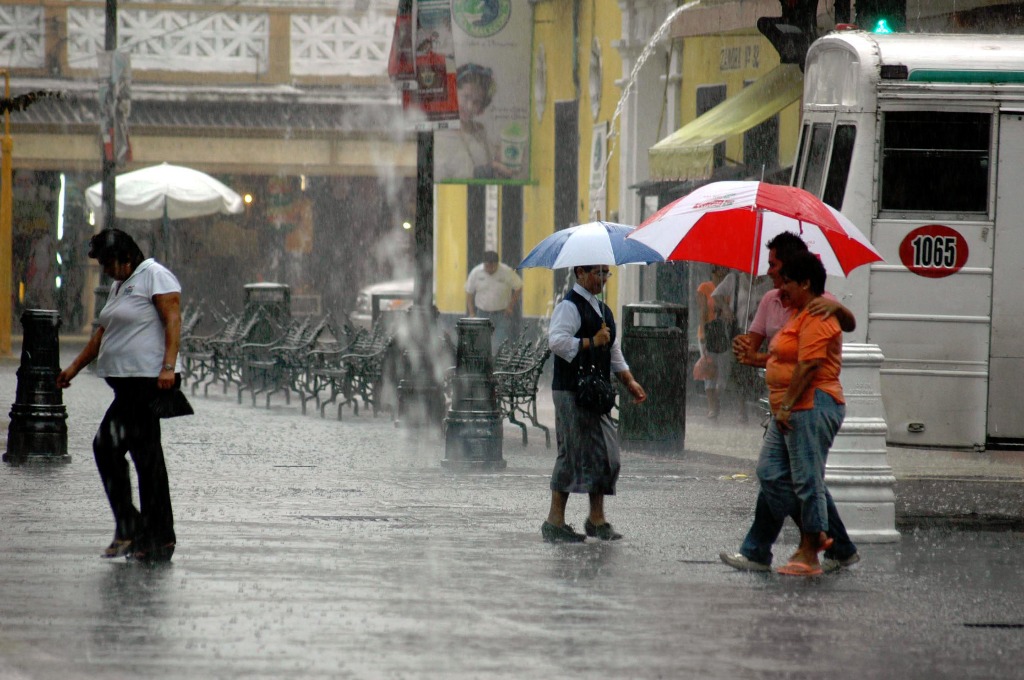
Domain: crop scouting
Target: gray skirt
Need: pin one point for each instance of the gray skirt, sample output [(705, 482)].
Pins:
[(588, 449)]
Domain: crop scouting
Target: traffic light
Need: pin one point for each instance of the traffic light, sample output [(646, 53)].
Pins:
[(881, 16), (792, 34)]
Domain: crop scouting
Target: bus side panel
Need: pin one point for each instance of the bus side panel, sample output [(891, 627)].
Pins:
[(934, 333), (1005, 409)]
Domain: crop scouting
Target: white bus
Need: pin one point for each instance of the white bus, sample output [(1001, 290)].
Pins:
[(919, 139)]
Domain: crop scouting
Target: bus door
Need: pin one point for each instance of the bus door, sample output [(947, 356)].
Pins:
[(1006, 361)]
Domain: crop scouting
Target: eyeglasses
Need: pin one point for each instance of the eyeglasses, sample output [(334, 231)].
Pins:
[(602, 274)]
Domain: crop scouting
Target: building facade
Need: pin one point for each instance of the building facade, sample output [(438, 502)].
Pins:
[(287, 102)]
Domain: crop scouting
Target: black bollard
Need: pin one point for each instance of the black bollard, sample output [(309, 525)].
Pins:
[(474, 425), (38, 431)]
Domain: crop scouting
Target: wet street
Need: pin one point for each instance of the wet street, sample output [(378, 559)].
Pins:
[(312, 548)]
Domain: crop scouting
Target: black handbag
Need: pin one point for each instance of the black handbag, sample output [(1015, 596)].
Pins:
[(170, 404), (593, 391)]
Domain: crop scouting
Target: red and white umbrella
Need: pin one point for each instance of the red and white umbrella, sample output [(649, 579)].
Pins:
[(730, 223)]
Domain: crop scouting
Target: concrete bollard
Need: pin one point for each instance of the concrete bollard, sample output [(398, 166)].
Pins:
[(38, 431), (858, 472), (473, 432)]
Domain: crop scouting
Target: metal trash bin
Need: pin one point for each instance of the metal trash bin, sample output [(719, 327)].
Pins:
[(657, 357), (275, 299)]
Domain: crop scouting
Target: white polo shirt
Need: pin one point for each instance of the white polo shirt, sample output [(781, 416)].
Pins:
[(133, 334), (492, 292)]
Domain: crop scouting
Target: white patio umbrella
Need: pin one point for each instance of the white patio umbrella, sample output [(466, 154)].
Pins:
[(166, 192)]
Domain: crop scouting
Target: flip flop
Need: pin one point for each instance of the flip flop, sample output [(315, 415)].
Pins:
[(799, 569), (826, 544)]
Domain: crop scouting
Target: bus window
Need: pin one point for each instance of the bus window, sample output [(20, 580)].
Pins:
[(839, 166), (816, 157), (801, 149), (935, 161)]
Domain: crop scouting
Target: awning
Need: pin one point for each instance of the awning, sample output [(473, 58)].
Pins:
[(688, 153)]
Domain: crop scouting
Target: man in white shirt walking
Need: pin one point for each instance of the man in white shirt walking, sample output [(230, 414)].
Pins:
[(492, 292)]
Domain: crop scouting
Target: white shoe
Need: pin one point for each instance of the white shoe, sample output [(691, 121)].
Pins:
[(743, 563), (836, 565)]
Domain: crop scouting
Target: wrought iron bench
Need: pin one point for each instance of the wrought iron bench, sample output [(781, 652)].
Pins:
[(517, 374)]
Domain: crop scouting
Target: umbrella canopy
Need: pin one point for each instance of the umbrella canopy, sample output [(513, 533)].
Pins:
[(165, 190), (730, 223), (590, 243)]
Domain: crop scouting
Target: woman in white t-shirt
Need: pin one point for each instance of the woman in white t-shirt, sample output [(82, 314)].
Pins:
[(136, 348)]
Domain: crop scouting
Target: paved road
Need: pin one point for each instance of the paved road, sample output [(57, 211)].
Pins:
[(310, 548)]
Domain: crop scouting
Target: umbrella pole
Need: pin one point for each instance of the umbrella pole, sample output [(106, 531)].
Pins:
[(753, 266), (165, 236)]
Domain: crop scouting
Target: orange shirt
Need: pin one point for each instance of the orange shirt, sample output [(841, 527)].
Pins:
[(706, 289), (805, 337)]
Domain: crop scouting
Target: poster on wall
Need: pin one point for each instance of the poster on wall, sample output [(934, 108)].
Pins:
[(493, 45), (401, 62), (423, 38)]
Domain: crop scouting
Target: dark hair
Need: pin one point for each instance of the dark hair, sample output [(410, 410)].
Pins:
[(479, 75), (805, 266), (113, 245), (490, 256), (587, 268), (786, 245)]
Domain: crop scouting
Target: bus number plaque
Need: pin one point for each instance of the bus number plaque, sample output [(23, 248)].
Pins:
[(934, 251)]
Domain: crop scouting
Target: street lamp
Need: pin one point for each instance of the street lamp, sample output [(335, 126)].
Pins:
[(6, 236)]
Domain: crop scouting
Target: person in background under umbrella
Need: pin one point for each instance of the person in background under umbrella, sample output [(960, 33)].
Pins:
[(736, 298), (588, 448), (713, 367), (136, 347)]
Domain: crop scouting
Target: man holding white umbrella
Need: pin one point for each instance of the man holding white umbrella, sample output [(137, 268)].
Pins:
[(582, 331), (582, 336)]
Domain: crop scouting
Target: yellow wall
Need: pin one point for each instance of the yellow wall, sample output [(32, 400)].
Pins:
[(744, 56), (450, 245)]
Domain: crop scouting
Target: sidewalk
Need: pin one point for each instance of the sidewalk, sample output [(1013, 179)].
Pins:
[(312, 548), (949, 487)]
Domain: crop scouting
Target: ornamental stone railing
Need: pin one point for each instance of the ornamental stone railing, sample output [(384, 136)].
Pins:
[(266, 42)]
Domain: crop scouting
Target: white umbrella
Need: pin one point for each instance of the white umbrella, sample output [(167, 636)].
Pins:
[(167, 191), (586, 244)]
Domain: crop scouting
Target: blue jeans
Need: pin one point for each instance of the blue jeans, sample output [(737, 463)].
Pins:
[(791, 469)]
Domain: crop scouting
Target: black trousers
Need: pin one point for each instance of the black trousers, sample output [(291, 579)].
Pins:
[(129, 427)]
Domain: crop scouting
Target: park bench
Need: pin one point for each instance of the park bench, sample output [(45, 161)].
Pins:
[(209, 358), (355, 372), (282, 366), (517, 371), (257, 364)]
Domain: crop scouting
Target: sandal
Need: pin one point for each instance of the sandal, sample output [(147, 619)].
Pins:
[(799, 569), (118, 548)]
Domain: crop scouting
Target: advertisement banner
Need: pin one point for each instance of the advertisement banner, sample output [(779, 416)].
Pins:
[(434, 57), (401, 61), (493, 44)]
